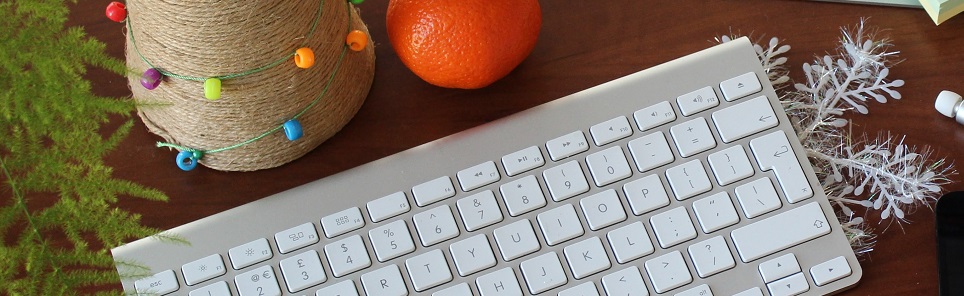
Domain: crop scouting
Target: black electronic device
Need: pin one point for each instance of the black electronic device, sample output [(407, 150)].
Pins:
[(950, 243)]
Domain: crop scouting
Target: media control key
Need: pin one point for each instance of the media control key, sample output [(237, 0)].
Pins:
[(250, 253), (203, 269), (339, 223)]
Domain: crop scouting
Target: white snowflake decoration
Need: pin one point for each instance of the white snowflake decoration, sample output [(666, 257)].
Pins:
[(884, 174)]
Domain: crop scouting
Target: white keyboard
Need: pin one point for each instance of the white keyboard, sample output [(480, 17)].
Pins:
[(683, 179)]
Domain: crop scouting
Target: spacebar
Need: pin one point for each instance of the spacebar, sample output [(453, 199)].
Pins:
[(780, 232)]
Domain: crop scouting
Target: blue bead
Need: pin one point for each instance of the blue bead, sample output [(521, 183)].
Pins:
[(293, 129), (187, 160)]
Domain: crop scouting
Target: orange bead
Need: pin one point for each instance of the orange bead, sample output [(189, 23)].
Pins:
[(357, 40), (304, 58)]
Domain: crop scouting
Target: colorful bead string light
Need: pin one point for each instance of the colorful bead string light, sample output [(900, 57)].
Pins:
[(187, 159), (117, 11)]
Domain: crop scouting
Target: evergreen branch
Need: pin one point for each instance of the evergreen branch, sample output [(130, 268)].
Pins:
[(62, 215)]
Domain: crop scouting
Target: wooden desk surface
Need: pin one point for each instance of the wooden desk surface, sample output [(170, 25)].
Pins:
[(582, 44)]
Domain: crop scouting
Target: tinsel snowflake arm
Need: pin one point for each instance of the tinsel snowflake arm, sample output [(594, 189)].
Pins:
[(845, 81), (893, 174)]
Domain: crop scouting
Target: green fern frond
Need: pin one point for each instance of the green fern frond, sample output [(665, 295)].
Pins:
[(58, 214)]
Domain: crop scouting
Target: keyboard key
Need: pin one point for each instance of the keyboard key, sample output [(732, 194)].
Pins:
[(296, 238), (499, 283), (457, 290), (516, 240), (672, 227), (646, 194), (730, 165), (250, 253), (711, 256), (608, 166), (477, 176), (610, 130), (342, 222), (701, 290), (567, 145), (587, 258), (688, 179), (780, 231), (697, 101), (778, 268), (630, 242), (565, 181), (626, 282), (161, 283), (347, 255), (302, 271), (435, 225), (750, 292), (832, 270), (744, 119), (773, 152), (385, 281), (203, 269), (655, 115), (345, 288), (543, 272), (715, 212), (740, 86), (668, 272), (215, 289), (692, 137), (584, 289), (389, 206), (522, 161), (602, 209), (428, 270), (560, 224), (479, 210), (757, 197), (651, 151), (433, 191), (792, 285), (522, 195), (391, 240), (473, 254), (258, 282)]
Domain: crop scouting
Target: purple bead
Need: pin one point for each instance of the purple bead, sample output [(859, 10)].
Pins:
[(151, 78)]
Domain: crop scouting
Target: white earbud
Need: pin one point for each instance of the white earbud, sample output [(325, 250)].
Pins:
[(951, 105)]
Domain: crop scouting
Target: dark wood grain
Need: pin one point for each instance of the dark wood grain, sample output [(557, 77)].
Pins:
[(582, 44)]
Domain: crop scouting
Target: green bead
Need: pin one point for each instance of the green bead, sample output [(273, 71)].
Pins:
[(356, 2), (212, 88)]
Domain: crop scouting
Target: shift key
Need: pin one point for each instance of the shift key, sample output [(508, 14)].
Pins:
[(781, 231)]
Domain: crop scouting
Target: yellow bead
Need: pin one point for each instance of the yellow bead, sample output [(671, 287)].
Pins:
[(304, 58), (212, 88), (357, 40)]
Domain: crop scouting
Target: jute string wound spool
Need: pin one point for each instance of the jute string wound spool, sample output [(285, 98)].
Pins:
[(265, 98)]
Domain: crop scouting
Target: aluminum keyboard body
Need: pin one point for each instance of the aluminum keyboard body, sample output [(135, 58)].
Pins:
[(683, 127)]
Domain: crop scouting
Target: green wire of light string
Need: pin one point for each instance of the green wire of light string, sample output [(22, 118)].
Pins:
[(311, 31), (331, 78)]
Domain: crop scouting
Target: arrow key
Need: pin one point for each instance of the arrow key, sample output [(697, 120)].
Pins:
[(626, 282), (779, 267), (791, 285), (832, 270)]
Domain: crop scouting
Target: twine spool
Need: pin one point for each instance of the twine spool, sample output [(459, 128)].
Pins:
[(207, 38)]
